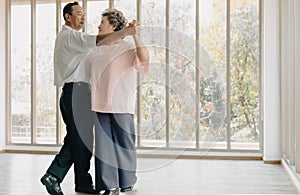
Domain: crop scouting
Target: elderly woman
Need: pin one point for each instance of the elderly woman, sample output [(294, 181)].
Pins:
[(113, 69)]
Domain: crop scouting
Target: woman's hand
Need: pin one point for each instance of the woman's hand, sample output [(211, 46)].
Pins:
[(142, 51), (131, 30), (135, 25)]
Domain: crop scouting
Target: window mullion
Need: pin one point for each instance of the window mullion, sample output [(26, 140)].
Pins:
[(228, 40), (197, 115), (33, 73), (58, 90), (139, 94), (167, 73), (111, 3), (261, 109), (8, 73), (84, 7)]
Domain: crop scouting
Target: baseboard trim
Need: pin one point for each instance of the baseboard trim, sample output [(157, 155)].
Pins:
[(30, 152), (166, 154), (275, 162), (295, 180), (208, 156)]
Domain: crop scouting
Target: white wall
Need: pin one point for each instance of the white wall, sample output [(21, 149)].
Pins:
[(2, 74), (297, 84), (271, 63)]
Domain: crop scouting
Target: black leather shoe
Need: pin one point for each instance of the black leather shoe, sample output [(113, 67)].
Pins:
[(127, 189), (52, 184), (87, 189), (112, 192)]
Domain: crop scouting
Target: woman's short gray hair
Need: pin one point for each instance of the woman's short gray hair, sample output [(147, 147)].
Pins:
[(115, 17)]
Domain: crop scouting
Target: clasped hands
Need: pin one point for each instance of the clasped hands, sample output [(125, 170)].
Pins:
[(132, 29)]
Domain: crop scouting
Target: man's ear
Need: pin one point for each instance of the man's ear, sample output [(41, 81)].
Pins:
[(67, 16)]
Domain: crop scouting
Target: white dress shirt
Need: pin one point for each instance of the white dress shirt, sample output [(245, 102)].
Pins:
[(71, 48)]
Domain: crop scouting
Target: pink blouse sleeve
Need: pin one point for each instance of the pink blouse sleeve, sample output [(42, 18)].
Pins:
[(136, 62)]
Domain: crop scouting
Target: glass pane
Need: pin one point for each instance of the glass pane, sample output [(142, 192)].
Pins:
[(182, 42), (244, 74), (212, 56), (94, 11), (153, 85), (20, 74), (128, 8), (45, 89), (153, 117)]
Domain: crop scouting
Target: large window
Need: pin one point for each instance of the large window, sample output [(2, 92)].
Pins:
[(21, 72), (202, 91), (45, 100)]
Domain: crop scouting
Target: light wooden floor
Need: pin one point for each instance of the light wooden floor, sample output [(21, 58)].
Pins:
[(20, 174)]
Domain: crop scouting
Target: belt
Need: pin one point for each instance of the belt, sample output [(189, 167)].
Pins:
[(80, 83), (75, 84)]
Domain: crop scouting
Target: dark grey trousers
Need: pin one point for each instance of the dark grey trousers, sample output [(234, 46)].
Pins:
[(75, 106), (115, 162)]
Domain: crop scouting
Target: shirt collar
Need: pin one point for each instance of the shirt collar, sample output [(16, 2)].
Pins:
[(66, 27)]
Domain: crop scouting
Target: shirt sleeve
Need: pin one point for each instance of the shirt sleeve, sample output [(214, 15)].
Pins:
[(136, 62), (82, 42)]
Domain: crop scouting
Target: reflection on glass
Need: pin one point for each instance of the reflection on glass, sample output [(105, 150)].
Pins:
[(153, 118), (212, 67), (20, 76), (93, 16), (153, 85), (45, 90), (128, 8), (182, 102), (182, 17), (244, 71), (182, 74)]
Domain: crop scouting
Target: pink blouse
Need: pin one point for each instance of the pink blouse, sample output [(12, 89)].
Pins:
[(113, 72)]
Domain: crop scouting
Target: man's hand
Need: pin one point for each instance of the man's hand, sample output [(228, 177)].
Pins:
[(134, 26), (132, 29)]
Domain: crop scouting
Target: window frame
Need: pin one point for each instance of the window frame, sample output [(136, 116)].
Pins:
[(58, 90)]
